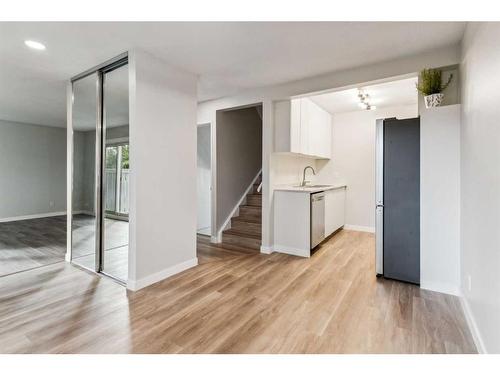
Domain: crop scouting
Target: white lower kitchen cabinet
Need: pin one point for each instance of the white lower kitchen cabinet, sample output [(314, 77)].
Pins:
[(334, 210), (292, 217), (292, 223)]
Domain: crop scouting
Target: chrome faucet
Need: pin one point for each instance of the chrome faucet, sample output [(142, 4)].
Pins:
[(304, 182)]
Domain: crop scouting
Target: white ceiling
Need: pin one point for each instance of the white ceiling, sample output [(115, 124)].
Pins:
[(389, 94), (228, 57)]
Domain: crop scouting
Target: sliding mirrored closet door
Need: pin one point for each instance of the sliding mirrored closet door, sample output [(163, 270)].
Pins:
[(84, 239), (101, 170), (116, 173)]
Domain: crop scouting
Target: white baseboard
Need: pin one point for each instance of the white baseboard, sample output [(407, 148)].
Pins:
[(158, 276), (440, 288), (35, 216), (471, 322), (359, 228), (291, 251), (266, 249)]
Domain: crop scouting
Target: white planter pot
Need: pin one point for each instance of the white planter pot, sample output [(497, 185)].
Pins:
[(433, 100)]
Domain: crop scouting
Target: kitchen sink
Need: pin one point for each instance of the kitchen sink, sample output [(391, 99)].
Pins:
[(312, 186)]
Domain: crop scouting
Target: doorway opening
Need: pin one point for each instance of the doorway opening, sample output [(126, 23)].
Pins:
[(238, 197), (230, 183), (354, 146), (204, 179)]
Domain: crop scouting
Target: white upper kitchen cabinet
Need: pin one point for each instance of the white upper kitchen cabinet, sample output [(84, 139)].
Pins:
[(319, 129), (302, 127)]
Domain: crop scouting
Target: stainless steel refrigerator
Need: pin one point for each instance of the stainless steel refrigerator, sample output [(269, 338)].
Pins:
[(397, 199)]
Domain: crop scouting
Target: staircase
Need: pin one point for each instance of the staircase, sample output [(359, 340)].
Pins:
[(246, 229)]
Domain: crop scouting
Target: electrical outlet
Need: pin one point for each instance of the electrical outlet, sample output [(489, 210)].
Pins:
[(51, 203), (469, 283)]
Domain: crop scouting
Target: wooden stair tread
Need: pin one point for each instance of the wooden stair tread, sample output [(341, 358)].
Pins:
[(242, 222), (241, 233), (248, 219), (245, 232), (251, 207), (237, 239), (235, 247), (254, 201), (240, 247), (254, 205)]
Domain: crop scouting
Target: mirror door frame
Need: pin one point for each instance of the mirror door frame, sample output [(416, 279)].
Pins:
[(100, 152)]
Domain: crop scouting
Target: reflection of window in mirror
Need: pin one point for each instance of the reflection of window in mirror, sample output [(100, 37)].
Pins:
[(125, 160)]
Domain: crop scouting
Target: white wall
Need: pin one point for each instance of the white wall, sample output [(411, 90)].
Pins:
[(440, 199), (353, 161), (32, 170), (341, 79), (480, 181), (204, 177), (288, 169), (163, 204)]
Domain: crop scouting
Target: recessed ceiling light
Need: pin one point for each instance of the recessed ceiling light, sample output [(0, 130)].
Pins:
[(372, 107), (35, 45)]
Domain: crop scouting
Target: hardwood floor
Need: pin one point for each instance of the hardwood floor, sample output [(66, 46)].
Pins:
[(28, 244), (115, 245), (236, 301)]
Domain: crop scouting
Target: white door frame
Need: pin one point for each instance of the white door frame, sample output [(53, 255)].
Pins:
[(212, 163)]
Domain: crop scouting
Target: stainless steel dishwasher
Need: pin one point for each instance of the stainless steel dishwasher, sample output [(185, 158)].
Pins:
[(317, 218)]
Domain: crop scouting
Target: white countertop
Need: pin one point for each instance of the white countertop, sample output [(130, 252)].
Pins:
[(309, 189)]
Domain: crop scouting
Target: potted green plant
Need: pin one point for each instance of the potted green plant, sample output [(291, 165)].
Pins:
[(431, 86)]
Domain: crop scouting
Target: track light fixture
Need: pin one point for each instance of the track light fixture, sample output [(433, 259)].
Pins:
[(363, 100)]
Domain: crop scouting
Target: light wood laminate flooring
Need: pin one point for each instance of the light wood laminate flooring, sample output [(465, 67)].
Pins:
[(33, 243), (235, 301)]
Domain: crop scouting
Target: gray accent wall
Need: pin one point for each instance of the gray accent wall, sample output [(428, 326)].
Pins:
[(239, 156), (32, 169), (83, 171)]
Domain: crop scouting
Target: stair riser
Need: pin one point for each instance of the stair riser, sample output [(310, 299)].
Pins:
[(250, 243), (247, 227), (254, 200), (254, 212)]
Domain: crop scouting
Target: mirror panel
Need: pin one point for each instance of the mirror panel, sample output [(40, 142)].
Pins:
[(116, 173), (83, 236)]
